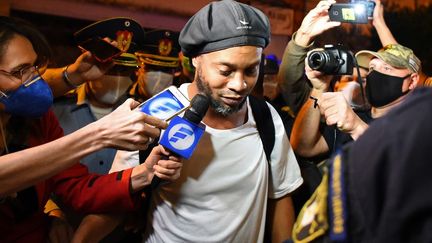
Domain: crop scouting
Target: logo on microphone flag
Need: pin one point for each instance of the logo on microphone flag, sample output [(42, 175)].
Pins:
[(182, 136), (162, 106)]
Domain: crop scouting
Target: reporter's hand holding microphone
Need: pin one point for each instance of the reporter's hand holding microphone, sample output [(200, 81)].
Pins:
[(183, 133), (127, 129), (178, 141)]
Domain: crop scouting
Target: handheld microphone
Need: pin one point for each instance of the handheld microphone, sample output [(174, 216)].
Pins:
[(183, 133)]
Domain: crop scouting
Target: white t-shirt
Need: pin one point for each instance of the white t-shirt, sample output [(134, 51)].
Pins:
[(221, 195), (124, 160)]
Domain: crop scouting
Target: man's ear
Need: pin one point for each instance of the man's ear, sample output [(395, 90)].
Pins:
[(195, 61), (414, 81)]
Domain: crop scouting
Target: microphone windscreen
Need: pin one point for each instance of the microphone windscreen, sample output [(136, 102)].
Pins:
[(199, 106)]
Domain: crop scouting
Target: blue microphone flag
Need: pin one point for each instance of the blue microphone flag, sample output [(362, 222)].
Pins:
[(182, 136)]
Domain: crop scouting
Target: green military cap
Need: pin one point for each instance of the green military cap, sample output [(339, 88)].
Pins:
[(396, 55)]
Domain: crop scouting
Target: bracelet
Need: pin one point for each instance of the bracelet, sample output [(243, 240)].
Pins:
[(66, 78), (315, 101)]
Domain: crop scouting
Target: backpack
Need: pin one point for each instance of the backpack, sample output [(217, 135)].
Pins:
[(264, 122), (309, 170)]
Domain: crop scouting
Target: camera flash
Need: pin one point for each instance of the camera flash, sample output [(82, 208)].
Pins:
[(359, 8)]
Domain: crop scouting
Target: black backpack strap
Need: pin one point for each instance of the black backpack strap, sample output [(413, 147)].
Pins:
[(265, 126), (264, 123)]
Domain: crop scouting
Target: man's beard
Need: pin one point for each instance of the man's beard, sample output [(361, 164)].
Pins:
[(217, 105)]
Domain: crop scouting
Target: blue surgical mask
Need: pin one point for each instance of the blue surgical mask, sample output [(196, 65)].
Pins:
[(30, 100)]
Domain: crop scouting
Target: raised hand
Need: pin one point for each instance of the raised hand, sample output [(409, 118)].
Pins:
[(315, 23), (378, 14), (86, 68)]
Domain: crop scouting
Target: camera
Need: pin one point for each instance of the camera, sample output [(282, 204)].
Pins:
[(335, 60)]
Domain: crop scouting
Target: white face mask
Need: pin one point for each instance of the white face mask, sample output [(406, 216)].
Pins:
[(156, 81), (110, 88)]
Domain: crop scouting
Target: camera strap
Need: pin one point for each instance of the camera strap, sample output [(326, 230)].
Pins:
[(359, 79)]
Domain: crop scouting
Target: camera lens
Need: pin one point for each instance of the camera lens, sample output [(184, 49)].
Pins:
[(324, 61), (316, 60)]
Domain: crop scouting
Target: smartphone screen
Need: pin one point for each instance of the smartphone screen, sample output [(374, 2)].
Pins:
[(165, 104), (101, 50), (349, 12)]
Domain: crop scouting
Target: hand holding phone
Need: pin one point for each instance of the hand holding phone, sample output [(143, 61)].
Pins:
[(101, 50), (356, 13), (166, 104)]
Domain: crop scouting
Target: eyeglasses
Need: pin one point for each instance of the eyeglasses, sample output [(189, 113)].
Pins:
[(26, 75)]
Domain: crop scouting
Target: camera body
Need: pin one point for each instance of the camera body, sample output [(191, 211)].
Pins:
[(334, 60)]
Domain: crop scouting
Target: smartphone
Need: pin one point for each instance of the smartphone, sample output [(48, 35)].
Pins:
[(166, 104), (355, 13), (101, 50)]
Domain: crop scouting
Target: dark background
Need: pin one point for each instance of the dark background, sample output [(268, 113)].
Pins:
[(411, 28)]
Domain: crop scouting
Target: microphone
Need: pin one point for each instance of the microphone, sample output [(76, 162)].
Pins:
[(183, 133), (199, 106)]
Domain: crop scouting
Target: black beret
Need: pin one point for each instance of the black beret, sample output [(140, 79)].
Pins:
[(160, 48), (224, 24), (127, 32)]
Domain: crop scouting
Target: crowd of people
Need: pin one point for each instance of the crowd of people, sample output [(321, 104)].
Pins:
[(346, 160)]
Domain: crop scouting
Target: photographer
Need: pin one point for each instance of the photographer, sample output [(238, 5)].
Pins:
[(291, 76), (295, 86), (393, 72)]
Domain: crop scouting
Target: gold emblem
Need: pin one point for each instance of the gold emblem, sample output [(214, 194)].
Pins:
[(312, 221), (165, 47), (124, 39)]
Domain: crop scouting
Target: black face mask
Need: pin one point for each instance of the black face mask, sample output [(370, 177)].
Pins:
[(382, 89)]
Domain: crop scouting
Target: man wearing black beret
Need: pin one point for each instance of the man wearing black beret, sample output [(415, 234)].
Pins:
[(228, 184)]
